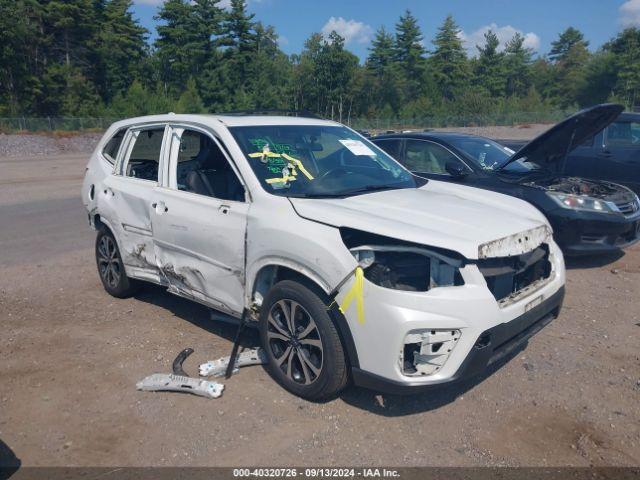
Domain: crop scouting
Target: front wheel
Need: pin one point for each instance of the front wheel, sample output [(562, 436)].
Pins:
[(304, 351)]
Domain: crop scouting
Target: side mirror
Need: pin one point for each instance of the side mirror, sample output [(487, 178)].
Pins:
[(455, 169)]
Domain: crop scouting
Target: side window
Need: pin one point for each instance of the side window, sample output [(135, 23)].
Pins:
[(427, 157), (392, 147), (110, 150), (203, 169), (145, 155), (623, 134)]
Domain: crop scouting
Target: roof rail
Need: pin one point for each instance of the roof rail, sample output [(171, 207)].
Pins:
[(283, 112)]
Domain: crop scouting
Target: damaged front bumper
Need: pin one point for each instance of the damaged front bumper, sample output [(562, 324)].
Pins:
[(462, 329)]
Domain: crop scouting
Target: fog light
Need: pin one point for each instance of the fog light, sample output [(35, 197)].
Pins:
[(426, 351)]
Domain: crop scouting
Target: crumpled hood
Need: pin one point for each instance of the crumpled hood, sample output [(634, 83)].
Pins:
[(456, 218)]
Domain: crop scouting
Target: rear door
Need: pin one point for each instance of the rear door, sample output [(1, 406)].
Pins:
[(127, 198), (620, 158), (199, 219)]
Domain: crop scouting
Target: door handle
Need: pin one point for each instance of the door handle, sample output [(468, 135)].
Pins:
[(160, 207), (605, 154), (224, 209)]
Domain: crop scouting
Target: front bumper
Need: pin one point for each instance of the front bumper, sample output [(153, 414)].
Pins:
[(580, 233), (492, 345), (390, 317)]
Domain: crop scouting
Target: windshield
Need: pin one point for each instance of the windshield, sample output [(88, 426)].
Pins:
[(490, 155), (318, 161)]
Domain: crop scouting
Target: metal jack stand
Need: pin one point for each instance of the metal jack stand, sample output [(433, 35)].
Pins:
[(236, 344)]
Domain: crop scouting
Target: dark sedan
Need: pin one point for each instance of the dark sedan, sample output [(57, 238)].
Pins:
[(613, 154), (587, 216)]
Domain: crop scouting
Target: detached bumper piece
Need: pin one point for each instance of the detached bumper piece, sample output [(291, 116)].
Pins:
[(492, 345), (179, 381), (168, 382)]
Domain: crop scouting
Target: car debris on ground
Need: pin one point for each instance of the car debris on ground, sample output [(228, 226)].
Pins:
[(180, 381)]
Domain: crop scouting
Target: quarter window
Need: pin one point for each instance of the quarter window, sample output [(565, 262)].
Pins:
[(427, 157), (145, 155), (203, 169), (392, 147), (110, 150)]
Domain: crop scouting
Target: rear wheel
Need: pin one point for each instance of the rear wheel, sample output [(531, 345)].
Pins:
[(111, 268), (302, 344)]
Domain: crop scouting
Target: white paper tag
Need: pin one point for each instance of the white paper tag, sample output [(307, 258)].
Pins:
[(358, 148)]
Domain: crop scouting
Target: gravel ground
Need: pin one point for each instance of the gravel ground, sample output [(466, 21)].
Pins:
[(30, 145), (72, 355)]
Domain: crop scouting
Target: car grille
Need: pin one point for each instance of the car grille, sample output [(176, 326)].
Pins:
[(507, 277), (628, 208)]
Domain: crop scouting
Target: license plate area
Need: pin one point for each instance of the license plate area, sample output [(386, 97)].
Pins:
[(533, 303)]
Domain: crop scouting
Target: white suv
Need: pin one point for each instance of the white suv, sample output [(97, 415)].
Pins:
[(352, 267)]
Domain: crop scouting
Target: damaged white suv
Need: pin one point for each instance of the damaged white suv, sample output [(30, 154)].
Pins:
[(353, 268)]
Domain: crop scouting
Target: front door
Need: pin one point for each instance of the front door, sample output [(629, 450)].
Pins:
[(199, 221)]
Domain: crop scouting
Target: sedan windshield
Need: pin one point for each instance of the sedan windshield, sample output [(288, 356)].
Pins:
[(490, 155), (318, 161)]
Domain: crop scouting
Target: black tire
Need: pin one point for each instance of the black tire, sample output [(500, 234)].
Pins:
[(110, 267), (316, 366)]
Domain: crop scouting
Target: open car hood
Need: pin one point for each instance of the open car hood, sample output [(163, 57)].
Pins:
[(557, 142)]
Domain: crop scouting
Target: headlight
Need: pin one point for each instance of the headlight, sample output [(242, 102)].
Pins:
[(580, 202), (407, 268)]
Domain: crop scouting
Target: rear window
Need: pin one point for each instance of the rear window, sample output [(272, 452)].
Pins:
[(110, 150)]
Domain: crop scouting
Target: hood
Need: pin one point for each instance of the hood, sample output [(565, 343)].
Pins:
[(434, 216), (557, 142)]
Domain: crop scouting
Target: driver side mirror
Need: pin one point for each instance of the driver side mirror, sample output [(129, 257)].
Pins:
[(456, 169)]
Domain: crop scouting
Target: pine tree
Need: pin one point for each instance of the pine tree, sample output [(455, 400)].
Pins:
[(449, 61), (409, 53), (567, 40), (121, 48), (381, 52), (517, 63), (490, 66), (20, 66), (626, 50), (571, 56), (190, 101), (185, 39)]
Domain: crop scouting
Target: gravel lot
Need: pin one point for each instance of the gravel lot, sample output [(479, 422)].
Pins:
[(31, 145), (72, 355)]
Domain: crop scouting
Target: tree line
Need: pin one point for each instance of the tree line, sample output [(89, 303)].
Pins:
[(92, 58)]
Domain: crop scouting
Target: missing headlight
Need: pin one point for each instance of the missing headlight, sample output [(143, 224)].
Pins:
[(400, 265)]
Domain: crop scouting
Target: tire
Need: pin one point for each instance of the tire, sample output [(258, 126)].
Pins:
[(110, 267), (311, 363)]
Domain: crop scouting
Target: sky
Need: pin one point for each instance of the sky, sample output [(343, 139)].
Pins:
[(540, 21)]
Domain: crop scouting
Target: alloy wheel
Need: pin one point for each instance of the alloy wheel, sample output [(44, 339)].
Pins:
[(109, 261), (294, 340)]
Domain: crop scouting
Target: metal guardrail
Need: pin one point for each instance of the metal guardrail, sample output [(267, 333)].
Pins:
[(69, 124)]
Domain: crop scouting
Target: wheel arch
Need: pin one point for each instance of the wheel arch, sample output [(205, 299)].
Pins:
[(273, 272)]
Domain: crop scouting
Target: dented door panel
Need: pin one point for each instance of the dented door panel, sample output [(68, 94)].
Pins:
[(126, 203), (199, 246)]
